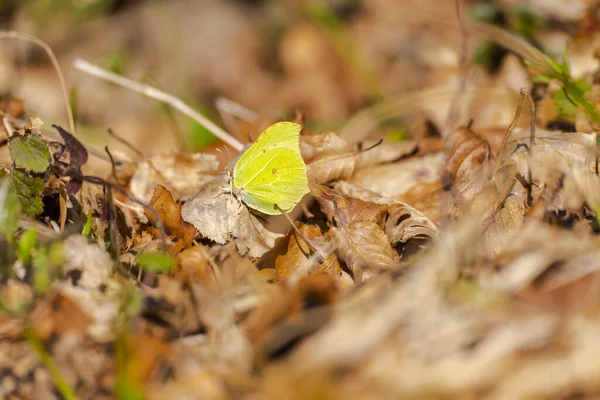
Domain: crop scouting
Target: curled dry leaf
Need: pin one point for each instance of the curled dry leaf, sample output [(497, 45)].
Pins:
[(469, 166), (180, 233), (328, 157), (218, 216), (297, 262), (343, 210), (403, 223)]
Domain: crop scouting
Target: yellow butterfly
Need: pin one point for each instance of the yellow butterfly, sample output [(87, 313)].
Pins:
[(271, 174)]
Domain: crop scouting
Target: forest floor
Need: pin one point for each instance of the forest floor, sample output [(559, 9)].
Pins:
[(439, 237)]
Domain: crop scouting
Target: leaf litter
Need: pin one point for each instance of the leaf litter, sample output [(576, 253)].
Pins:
[(462, 263)]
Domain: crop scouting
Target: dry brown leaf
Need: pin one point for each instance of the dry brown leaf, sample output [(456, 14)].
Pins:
[(328, 157), (468, 168), (403, 221), (396, 179), (430, 199), (181, 174), (218, 216), (365, 248), (252, 236), (357, 232), (212, 211), (343, 210), (384, 153), (290, 264), (193, 264), (313, 147), (180, 233)]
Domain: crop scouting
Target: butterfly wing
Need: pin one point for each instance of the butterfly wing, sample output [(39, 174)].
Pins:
[(271, 172)]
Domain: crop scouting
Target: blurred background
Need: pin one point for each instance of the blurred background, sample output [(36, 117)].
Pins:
[(329, 58)]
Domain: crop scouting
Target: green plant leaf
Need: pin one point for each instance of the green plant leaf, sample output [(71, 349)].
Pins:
[(26, 244), (29, 191), (9, 208), (155, 262), (87, 228), (30, 152)]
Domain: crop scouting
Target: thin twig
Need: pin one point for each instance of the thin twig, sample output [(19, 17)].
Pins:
[(124, 141), (113, 170), (511, 127), (154, 93), (463, 69), (306, 240), (525, 92), (99, 181), (30, 38)]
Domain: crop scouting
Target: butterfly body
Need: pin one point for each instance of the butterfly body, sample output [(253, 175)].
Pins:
[(271, 174)]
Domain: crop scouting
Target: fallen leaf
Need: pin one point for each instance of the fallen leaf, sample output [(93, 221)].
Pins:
[(364, 246), (403, 222), (469, 167), (193, 264), (384, 153), (182, 174), (218, 216), (328, 157), (294, 262), (180, 233), (343, 210), (396, 179)]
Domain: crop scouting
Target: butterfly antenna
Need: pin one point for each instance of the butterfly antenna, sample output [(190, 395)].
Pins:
[(321, 259), (228, 154)]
